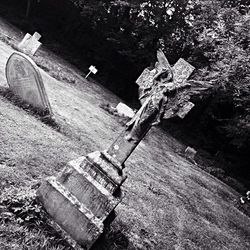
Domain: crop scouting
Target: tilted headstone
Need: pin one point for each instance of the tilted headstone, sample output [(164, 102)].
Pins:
[(25, 81), (30, 44)]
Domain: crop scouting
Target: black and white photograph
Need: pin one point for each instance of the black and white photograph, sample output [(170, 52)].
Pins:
[(125, 125)]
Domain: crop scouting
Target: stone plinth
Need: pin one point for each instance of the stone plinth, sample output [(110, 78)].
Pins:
[(83, 197)]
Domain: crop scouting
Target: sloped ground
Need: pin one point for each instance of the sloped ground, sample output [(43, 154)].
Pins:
[(169, 203)]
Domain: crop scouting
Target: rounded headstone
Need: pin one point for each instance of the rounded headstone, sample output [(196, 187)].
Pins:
[(25, 81)]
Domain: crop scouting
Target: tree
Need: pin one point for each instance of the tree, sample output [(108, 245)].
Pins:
[(219, 40)]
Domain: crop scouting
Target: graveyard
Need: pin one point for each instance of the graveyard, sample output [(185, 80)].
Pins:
[(169, 202)]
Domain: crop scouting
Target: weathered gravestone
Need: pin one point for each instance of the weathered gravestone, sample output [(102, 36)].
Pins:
[(83, 197), (30, 44), (25, 81)]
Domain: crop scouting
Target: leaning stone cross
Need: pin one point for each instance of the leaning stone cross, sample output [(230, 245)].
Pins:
[(82, 199), (163, 93)]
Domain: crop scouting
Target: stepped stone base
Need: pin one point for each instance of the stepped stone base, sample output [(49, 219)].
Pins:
[(83, 197)]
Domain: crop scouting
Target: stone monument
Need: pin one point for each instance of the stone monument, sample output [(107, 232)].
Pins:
[(30, 44), (82, 199), (25, 81)]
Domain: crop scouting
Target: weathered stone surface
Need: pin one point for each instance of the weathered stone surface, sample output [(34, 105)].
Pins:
[(71, 215), (23, 43), (104, 170), (36, 36), (184, 110), (83, 197), (30, 44), (121, 148), (96, 197), (182, 71), (25, 81)]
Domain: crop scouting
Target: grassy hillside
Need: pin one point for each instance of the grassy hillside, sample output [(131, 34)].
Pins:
[(169, 203)]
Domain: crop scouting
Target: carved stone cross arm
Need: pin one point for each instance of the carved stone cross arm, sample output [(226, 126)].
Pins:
[(180, 104)]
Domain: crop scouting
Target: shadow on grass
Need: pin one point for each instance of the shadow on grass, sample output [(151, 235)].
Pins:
[(42, 115), (8, 40), (123, 120), (112, 240)]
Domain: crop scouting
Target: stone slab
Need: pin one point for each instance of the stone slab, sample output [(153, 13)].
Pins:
[(24, 42), (107, 172), (81, 200), (88, 191), (25, 81), (71, 215)]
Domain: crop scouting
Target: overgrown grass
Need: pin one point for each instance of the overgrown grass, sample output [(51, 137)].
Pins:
[(24, 224), (43, 115), (25, 221), (111, 110)]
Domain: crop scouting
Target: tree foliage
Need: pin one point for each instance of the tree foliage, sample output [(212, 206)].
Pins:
[(220, 37)]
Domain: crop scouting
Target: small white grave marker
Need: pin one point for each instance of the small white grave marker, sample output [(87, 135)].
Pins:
[(30, 44), (124, 110), (92, 69)]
